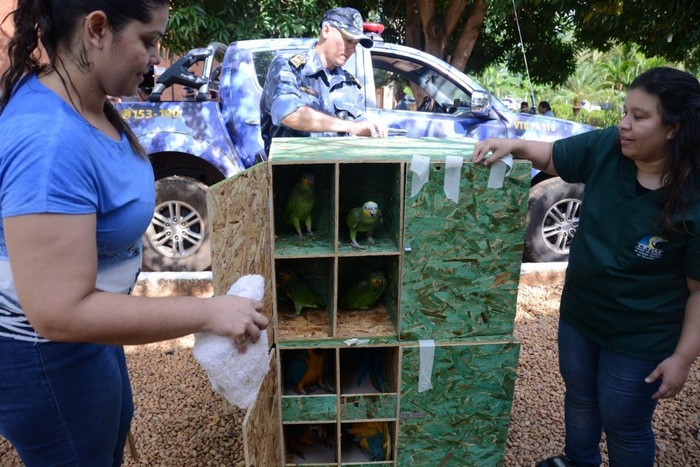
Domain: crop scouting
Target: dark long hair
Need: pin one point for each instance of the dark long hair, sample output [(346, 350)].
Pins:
[(679, 101), (50, 26)]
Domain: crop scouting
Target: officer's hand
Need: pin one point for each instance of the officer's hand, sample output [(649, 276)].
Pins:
[(369, 128)]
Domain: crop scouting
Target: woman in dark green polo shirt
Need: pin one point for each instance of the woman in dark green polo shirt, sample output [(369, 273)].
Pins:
[(629, 326)]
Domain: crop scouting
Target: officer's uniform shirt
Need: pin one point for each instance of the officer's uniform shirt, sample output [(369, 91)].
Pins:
[(301, 80)]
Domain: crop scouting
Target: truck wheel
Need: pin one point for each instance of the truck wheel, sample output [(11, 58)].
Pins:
[(178, 237), (552, 219)]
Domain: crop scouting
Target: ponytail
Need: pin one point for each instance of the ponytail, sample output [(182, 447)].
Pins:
[(29, 19)]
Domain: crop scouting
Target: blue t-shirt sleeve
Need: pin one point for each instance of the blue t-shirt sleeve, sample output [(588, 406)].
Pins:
[(49, 176)]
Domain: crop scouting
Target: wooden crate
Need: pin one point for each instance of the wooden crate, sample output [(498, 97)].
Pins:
[(452, 272)]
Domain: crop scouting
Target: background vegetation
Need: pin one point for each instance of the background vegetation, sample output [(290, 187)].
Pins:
[(575, 50)]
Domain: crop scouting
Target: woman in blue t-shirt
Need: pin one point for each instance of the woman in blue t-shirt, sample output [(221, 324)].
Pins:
[(76, 195), (629, 327)]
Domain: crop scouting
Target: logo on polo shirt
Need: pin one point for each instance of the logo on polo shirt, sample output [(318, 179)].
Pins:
[(649, 247)]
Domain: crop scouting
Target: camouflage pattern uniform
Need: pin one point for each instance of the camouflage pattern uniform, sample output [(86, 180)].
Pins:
[(301, 80)]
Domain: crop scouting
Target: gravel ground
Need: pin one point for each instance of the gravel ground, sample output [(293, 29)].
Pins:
[(180, 422)]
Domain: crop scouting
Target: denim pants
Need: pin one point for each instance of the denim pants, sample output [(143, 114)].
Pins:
[(606, 391), (65, 404)]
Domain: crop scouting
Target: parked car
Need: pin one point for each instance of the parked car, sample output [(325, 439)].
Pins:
[(196, 143)]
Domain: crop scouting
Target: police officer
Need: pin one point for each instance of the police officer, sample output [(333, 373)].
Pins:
[(310, 94)]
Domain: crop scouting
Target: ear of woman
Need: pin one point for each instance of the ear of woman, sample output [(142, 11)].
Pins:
[(96, 28)]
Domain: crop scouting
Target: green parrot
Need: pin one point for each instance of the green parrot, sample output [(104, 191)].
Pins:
[(365, 293), (363, 219), (300, 204), (299, 292)]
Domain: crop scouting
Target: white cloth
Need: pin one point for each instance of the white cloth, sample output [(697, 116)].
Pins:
[(234, 375)]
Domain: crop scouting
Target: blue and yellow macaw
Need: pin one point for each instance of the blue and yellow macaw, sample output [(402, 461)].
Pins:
[(373, 438), (306, 368)]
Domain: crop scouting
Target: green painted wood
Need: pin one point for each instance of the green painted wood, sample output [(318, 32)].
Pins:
[(368, 407), (385, 341), (463, 420), (286, 151), (309, 408), (460, 278)]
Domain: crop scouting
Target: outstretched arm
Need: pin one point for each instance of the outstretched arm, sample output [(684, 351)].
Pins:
[(537, 152), (307, 119), (54, 264)]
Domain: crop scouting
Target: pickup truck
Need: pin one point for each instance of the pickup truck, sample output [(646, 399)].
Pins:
[(214, 133)]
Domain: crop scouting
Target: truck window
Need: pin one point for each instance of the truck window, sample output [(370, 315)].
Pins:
[(426, 83)]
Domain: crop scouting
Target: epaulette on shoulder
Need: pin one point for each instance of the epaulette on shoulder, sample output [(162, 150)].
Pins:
[(298, 60), (352, 78)]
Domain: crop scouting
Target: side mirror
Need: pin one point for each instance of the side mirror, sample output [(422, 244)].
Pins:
[(481, 103)]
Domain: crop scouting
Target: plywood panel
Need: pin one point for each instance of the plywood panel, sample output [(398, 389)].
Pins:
[(464, 419), (461, 265)]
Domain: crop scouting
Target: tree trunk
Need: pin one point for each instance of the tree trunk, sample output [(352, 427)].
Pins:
[(438, 27), (469, 36), (413, 26)]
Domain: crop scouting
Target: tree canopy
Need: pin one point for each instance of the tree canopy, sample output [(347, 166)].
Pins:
[(469, 34)]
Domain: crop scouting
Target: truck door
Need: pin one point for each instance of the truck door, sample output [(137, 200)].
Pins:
[(438, 96)]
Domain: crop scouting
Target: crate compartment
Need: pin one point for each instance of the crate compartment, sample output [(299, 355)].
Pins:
[(358, 277), (369, 370), (287, 242), (308, 371), (304, 297), (367, 442), (382, 184), (310, 443)]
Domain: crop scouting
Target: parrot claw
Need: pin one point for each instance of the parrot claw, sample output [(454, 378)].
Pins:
[(370, 240), (311, 234), (358, 246)]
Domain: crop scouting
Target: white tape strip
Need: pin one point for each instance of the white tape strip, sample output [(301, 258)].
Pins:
[(425, 372), (453, 173), (498, 172), (419, 167)]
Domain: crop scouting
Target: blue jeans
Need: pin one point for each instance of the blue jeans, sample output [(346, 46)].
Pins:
[(65, 404), (606, 391)]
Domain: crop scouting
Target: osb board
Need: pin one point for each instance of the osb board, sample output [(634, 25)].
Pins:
[(310, 408), (240, 231), (460, 277), (368, 407), (463, 420), (344, 149), (262, 422)]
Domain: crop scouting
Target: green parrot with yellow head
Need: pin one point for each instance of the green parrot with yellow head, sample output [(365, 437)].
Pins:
[(298, 291), (300, 204), (363, 219), (364, 293)]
